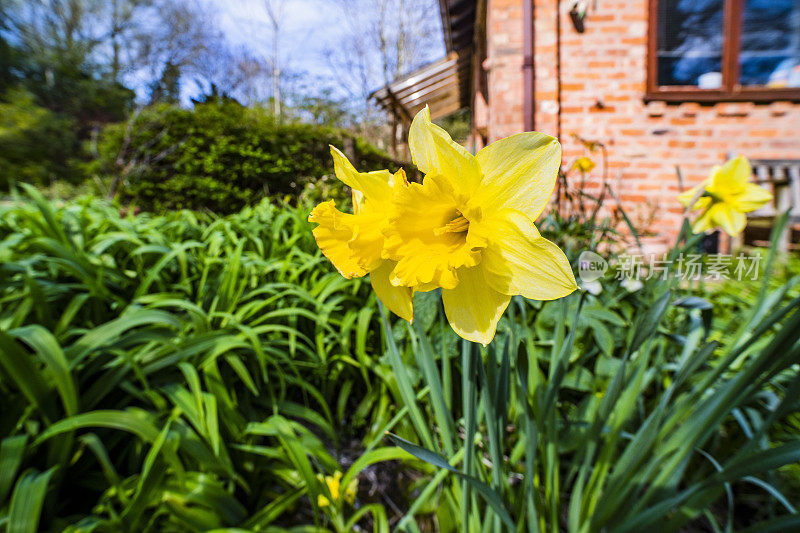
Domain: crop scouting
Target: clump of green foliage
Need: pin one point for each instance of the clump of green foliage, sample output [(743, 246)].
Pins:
[(49, 102), (221, 156), (191, 372), (36, 145), (183, 372)]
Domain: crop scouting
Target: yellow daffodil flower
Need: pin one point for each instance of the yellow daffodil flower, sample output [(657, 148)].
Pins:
[(468, 227), (583, 164), (725, 196), (354, 242), (334, 487)]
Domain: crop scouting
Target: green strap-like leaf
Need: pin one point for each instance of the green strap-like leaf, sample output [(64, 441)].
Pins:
[(26, 375), (26, 502), (648, 324), (48, 350), (482, 488), (133, 421), (371, 457), (12, 450)]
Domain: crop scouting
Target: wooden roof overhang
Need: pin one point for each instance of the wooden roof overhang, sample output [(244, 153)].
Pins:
[(443, 85)]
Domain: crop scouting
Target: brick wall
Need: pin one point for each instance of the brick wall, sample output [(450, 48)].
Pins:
[(504, 66), (603, 75)]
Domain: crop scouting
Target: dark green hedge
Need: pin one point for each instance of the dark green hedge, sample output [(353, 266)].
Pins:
[(36, 145), (220, 156)]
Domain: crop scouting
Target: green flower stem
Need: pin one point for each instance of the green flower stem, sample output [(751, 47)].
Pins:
[(469, 356)]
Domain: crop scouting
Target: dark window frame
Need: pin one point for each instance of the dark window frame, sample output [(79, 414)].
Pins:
[(731, 90)]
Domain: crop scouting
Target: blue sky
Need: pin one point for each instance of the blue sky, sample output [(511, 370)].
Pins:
[(309, 27)]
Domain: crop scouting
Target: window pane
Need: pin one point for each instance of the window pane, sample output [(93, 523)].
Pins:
[(690, 42), (770, 43)]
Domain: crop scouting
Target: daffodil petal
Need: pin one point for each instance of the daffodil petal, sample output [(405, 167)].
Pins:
[(518, 260), (398, 180), (686, 196), (352, 491), (434, 152), (358, 201), (353, 243), (703, 222), (738, 170), (519, 172), (425, 271), (425, 287), (473, 308), (730, 220), (333, 484), (753, 197), (731, 178), (397, 299), (333, 235), (367, 239), (374, 185)]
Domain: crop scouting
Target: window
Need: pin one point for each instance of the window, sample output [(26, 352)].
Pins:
[(708, 50)]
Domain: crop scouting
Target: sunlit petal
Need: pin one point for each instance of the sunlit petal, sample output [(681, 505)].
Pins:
[(435, 153), (397, 299), (518, 260), (374, 185), (727, 218), (473, 308), (519, 172), (367, 239), (583, 164), (728, 195), (686, 196), (398, 180), (333, 235), (753, 197), (730, 179), (739, 170), (414, 236), (703, 222)]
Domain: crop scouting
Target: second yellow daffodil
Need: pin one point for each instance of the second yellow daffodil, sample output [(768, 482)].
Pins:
[(725, 197)]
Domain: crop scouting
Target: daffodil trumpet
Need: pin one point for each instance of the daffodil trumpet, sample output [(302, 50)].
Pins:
[(468, 228)]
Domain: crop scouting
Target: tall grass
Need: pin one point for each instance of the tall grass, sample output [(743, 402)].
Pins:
[(183, 372)]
